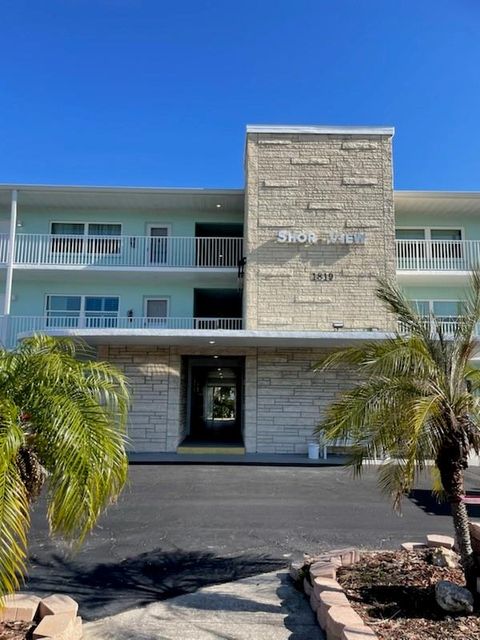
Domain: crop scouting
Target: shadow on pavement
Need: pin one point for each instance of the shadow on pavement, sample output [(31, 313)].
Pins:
[(110, 588), (424, 499), (300, 619)]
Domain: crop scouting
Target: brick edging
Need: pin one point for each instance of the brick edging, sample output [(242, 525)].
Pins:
[(55, 616), (328, 600), (317, 576)]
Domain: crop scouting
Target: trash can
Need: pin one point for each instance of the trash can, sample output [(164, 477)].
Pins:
[(313, 451)]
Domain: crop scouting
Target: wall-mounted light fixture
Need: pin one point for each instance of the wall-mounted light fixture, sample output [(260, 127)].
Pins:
[(337, 325)]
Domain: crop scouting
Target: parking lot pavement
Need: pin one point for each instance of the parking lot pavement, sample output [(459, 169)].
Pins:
[(178, 528)]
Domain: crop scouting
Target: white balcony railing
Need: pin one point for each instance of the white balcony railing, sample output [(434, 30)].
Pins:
[(126, 251), (438, 255), (448, 325), (191, 252), (15, 326), (3, 247)]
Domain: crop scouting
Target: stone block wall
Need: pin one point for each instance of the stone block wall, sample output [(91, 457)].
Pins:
[(292, 398), (308, 182), (284, 398), (154, 384)]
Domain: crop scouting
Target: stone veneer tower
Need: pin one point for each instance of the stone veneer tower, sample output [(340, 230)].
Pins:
[(321, 180)]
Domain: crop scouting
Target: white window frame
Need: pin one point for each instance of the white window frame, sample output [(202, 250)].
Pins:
[(86, 242), (85, 228), (428, 231), (81, 312), (432, 302)]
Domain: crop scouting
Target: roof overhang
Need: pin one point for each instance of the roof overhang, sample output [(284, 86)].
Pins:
[(220, 338), (51, 197)]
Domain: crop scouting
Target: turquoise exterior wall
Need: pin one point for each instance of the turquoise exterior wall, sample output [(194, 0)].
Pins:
[(133, 223), (29, 297), (469, 224), (435, 292)]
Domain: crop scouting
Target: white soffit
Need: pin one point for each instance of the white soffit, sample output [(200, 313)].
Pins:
[(437, 203), (48, 197)]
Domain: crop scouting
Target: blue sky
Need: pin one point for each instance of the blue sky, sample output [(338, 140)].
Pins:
[(158, 93)]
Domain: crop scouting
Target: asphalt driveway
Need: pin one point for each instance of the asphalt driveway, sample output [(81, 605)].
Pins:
[(177, 528)]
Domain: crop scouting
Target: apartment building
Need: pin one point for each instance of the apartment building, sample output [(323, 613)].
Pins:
[(216, 303)]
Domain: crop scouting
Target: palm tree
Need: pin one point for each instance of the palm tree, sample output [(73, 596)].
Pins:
[(62, 420), (417, 403)]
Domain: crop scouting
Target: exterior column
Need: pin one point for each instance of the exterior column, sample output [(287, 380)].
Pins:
[(10, 254), (10, 262)]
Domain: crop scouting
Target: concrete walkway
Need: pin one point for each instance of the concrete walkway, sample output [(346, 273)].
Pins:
[(265, 606)]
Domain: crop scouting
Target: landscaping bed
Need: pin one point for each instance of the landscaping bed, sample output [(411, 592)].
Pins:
[(394, 593), (16, 630)]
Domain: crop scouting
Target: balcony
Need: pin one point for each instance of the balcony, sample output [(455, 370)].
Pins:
[(448, 325), (17, 327), (125, 252), (437, 255)]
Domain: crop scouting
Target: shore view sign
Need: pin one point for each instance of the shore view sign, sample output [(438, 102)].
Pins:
[(309, 237)]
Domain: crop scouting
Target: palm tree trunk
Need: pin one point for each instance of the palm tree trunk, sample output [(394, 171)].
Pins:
[(451, 465), (462, 531)]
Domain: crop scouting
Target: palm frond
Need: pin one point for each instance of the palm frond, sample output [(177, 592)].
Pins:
[(77, 409), (396, 478), (14, 505), (417, 392)]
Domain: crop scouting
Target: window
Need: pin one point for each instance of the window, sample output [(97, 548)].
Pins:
[(422, 307), (410, 234), (77, 239), (410, 251), (101, 311), (448, 309), (427, 233), (439, 308), (63, 311), (84, 311)]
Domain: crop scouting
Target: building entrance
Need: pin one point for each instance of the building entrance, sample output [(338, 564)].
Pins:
[(215, 401)]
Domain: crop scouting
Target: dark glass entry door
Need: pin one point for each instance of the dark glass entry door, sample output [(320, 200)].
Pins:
[(215, 403)]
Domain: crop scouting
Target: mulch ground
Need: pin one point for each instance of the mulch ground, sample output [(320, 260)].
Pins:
[(16, 630), (394, 592)]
